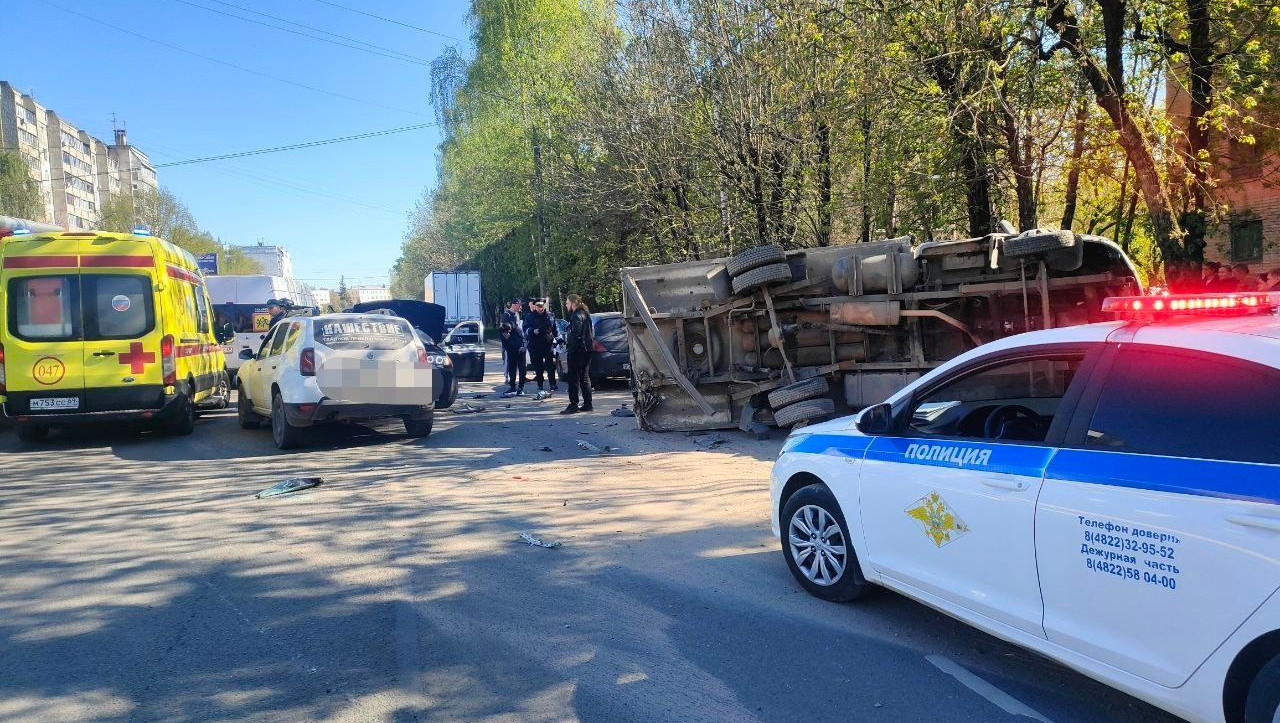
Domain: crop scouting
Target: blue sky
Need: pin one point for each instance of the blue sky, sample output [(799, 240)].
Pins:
[(340, 209)]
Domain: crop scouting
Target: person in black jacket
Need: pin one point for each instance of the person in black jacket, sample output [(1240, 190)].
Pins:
[(513, 345), (539, 335), (512, 315), (580, 348)]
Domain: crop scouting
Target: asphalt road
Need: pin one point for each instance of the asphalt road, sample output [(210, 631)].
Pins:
[(141, 581)]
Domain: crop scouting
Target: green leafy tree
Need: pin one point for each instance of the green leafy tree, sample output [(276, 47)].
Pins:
[(167, 217), (19, 192)]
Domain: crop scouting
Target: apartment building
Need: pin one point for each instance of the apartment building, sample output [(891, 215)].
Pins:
[(77, 173), (363, 294), (274, 260)]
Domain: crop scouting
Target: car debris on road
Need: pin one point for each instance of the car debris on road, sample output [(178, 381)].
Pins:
[(290, 485), (538, 541), (586, 446)]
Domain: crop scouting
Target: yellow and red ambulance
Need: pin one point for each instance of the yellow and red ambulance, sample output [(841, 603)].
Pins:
[(98, 326)]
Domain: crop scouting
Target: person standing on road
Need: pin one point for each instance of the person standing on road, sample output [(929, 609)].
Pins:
[(513, 317), (513, 345), (278, 309), (580, 346), (539, 335)]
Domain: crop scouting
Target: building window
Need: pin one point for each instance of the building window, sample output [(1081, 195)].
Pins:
[(30, 115), (1246, 240)]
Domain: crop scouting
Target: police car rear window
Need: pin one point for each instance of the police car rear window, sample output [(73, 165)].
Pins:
[(358, 334), (1188, 405)]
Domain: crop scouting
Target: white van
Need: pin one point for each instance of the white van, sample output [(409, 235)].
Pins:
[(242, 302)]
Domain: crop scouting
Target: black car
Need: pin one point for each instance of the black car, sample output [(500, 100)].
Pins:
[(427, 320), (465, 344), (613, 355)]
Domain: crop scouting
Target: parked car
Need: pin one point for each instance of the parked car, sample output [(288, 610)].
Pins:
[(349, 366), (613, 357), (465, 346), (428, 321)]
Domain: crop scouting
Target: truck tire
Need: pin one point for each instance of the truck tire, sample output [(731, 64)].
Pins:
[(799, 391), (1038, 241), (806, 410), (762, 276), (755, 258)]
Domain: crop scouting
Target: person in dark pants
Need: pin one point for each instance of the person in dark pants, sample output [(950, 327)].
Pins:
[(512, 316), (539, 335), (580, 348), (513, 345)]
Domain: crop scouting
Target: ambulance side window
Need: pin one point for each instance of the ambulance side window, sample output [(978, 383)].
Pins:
[(117, 306), (202, 309), (1187, 404)]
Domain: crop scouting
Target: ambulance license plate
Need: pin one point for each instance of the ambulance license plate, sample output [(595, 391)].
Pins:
[(46, 404)]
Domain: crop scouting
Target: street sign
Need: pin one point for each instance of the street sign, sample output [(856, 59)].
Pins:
[(208, 263)]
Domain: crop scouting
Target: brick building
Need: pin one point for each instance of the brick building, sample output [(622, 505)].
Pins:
[(1248, 188)]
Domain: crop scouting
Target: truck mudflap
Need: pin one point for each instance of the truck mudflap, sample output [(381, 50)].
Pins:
[(869, 317)]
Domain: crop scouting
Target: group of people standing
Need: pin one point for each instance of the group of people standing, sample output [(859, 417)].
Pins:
[(1216, 278), (535, 332)]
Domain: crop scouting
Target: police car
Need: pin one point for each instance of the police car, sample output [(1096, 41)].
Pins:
[(1107, 495)]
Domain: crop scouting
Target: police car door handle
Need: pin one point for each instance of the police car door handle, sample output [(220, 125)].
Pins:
[(1005, 484), (1265, 523)]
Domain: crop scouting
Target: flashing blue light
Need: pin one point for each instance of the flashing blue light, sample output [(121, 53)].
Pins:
[(22, 231), (141, 230)]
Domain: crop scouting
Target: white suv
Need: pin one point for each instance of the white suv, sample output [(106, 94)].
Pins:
[(336, 367)]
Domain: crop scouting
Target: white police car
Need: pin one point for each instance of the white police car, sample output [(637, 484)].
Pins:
[(1107, 495)]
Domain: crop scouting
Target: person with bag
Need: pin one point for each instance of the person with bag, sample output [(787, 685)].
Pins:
[(580, 348)]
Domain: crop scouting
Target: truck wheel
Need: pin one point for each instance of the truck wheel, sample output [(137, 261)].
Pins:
[(28, 432), (817, 546), (799, 391), (755, 258), (420, 427), (245, 415), (286, 435), (763, 276), (1037, 241), (1263, 703), (806, 410), (183, 421)]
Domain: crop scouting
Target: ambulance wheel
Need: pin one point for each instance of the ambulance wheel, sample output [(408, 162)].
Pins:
[(420, 427), (817, 546), (1263, 703), (285, 435), (244, 410), (32, 432), (183, 421)]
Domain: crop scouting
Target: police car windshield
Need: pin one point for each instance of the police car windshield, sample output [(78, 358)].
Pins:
[(385, 333)]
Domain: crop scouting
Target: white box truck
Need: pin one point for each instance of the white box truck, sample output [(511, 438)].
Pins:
[(458, 292)]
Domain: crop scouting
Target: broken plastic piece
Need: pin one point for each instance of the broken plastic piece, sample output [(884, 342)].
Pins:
[(542, 449), (467, 409), (538, 542), (289, 485), (586, 446), (542, 394), (622, 412)]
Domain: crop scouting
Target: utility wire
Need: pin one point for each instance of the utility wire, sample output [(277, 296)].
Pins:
[(229, 64), (393, 55), (386, 20), (318, 30), (293, 146)]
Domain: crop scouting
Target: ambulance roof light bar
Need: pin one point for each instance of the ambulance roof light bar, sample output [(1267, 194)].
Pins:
[(1150, 307)]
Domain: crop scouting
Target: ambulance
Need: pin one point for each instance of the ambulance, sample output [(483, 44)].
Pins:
[(101, 327)]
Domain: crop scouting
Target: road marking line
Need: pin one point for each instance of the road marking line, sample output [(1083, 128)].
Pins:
[(994, 695)]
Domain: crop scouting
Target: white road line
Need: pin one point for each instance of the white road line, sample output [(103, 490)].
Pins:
[(998, 697)]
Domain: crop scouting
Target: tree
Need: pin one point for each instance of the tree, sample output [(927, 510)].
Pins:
[(344, 298), (19, 193), (166, 217)]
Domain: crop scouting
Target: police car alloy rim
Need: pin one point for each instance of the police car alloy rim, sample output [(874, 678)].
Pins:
[(817, 545)]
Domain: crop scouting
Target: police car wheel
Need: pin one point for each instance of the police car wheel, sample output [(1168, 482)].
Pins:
[(1263, 703), (286, 435), (816, 544), (245, 415)]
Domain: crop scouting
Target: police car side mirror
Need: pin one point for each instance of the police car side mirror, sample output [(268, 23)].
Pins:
[(246, 354), (876, 420)]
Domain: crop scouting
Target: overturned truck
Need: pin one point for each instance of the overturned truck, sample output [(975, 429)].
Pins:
[(776, 337)]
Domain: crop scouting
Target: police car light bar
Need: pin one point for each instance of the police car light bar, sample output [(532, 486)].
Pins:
[(1179, 304)]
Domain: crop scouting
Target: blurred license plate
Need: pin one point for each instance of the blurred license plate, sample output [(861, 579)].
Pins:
[(626, 367), (55, 403)]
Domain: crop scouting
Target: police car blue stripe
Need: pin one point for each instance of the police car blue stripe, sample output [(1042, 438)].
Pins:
[(839, 445), (1019, 459), (1178, 475)]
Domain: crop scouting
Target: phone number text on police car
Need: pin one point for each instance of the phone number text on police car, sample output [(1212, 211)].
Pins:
[(1125, 572), (1129, 544)]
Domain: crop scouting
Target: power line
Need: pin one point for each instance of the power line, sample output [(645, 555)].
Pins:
[(318, 30), (373, 49), (293, 146), (386, 20), (228, 63)]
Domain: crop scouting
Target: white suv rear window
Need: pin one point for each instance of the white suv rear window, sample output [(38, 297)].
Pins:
[(360, 334)]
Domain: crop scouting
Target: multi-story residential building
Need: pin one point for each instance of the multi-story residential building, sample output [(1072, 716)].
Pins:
[(77, 174), (274, 260), (362, 294)]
